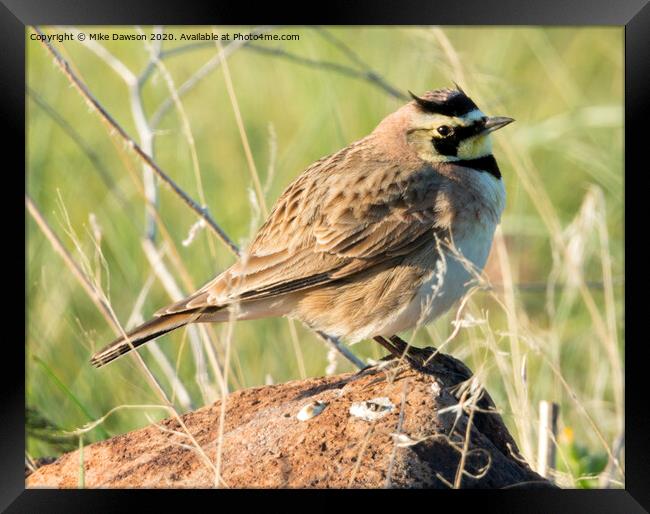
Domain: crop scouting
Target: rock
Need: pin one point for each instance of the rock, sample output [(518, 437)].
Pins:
[(388, 426)]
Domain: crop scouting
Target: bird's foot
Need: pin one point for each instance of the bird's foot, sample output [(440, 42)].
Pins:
[(401, 350)]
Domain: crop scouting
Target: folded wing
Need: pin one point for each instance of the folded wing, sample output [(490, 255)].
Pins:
[(346, 213)]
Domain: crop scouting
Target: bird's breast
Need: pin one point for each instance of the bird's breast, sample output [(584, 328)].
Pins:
[(458, 261), (457, 266)]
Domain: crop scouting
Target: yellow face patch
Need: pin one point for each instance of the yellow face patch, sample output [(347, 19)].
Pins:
[(475, 147), (439, 138)]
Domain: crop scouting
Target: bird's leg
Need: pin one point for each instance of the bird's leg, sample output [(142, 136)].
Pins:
[(395, 352), (335, 343), (407, 351), (400, 349), (400, 344)]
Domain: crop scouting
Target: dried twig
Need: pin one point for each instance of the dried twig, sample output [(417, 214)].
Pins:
[(398, 432), (76, 270), (548, 414), (145, 128), (464, 452), (368, 73), (171, 287), (364, 73), (145, 134), (242, 131), (79, 140), (607, 476), (95, 105), (105, 308), (155, 60), (200, 74)]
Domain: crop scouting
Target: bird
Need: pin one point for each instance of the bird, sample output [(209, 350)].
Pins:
[(377, 238)]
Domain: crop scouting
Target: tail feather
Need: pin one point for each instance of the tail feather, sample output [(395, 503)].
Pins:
[(138, 336)]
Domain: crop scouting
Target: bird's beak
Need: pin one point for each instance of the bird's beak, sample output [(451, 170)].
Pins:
[(495, 123)]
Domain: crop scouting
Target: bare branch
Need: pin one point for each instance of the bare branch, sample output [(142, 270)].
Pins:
[(95, 105), (367, 75), (201, 73), (134, 84), (76, 270), (547, 438), (201, 377), (242, 131), (78, 139), (154, 51), (104, 307)]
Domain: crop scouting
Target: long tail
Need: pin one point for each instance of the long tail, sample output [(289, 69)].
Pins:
[(138, 336)]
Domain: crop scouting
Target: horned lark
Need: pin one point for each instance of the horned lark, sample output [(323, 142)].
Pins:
[(369, 241)]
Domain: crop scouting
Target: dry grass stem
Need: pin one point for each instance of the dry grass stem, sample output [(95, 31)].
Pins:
[(97, 107)]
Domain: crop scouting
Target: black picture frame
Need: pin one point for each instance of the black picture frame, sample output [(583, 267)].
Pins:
[(634, 15)]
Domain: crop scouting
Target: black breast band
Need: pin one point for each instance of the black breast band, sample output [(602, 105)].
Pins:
[(487, 164)]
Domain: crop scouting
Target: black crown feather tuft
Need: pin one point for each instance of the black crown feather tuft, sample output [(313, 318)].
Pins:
[(448, 102)]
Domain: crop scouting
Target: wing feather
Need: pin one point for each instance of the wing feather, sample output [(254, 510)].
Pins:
[(329, 224)]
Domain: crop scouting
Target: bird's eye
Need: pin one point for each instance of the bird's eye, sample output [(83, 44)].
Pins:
[(444, 130)]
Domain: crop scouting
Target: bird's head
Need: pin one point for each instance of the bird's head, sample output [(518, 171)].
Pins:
[(446, 125)]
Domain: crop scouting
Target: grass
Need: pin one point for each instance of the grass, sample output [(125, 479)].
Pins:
[(548, 327)]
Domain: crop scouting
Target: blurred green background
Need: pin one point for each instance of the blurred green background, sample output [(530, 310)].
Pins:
[(550, 328)]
